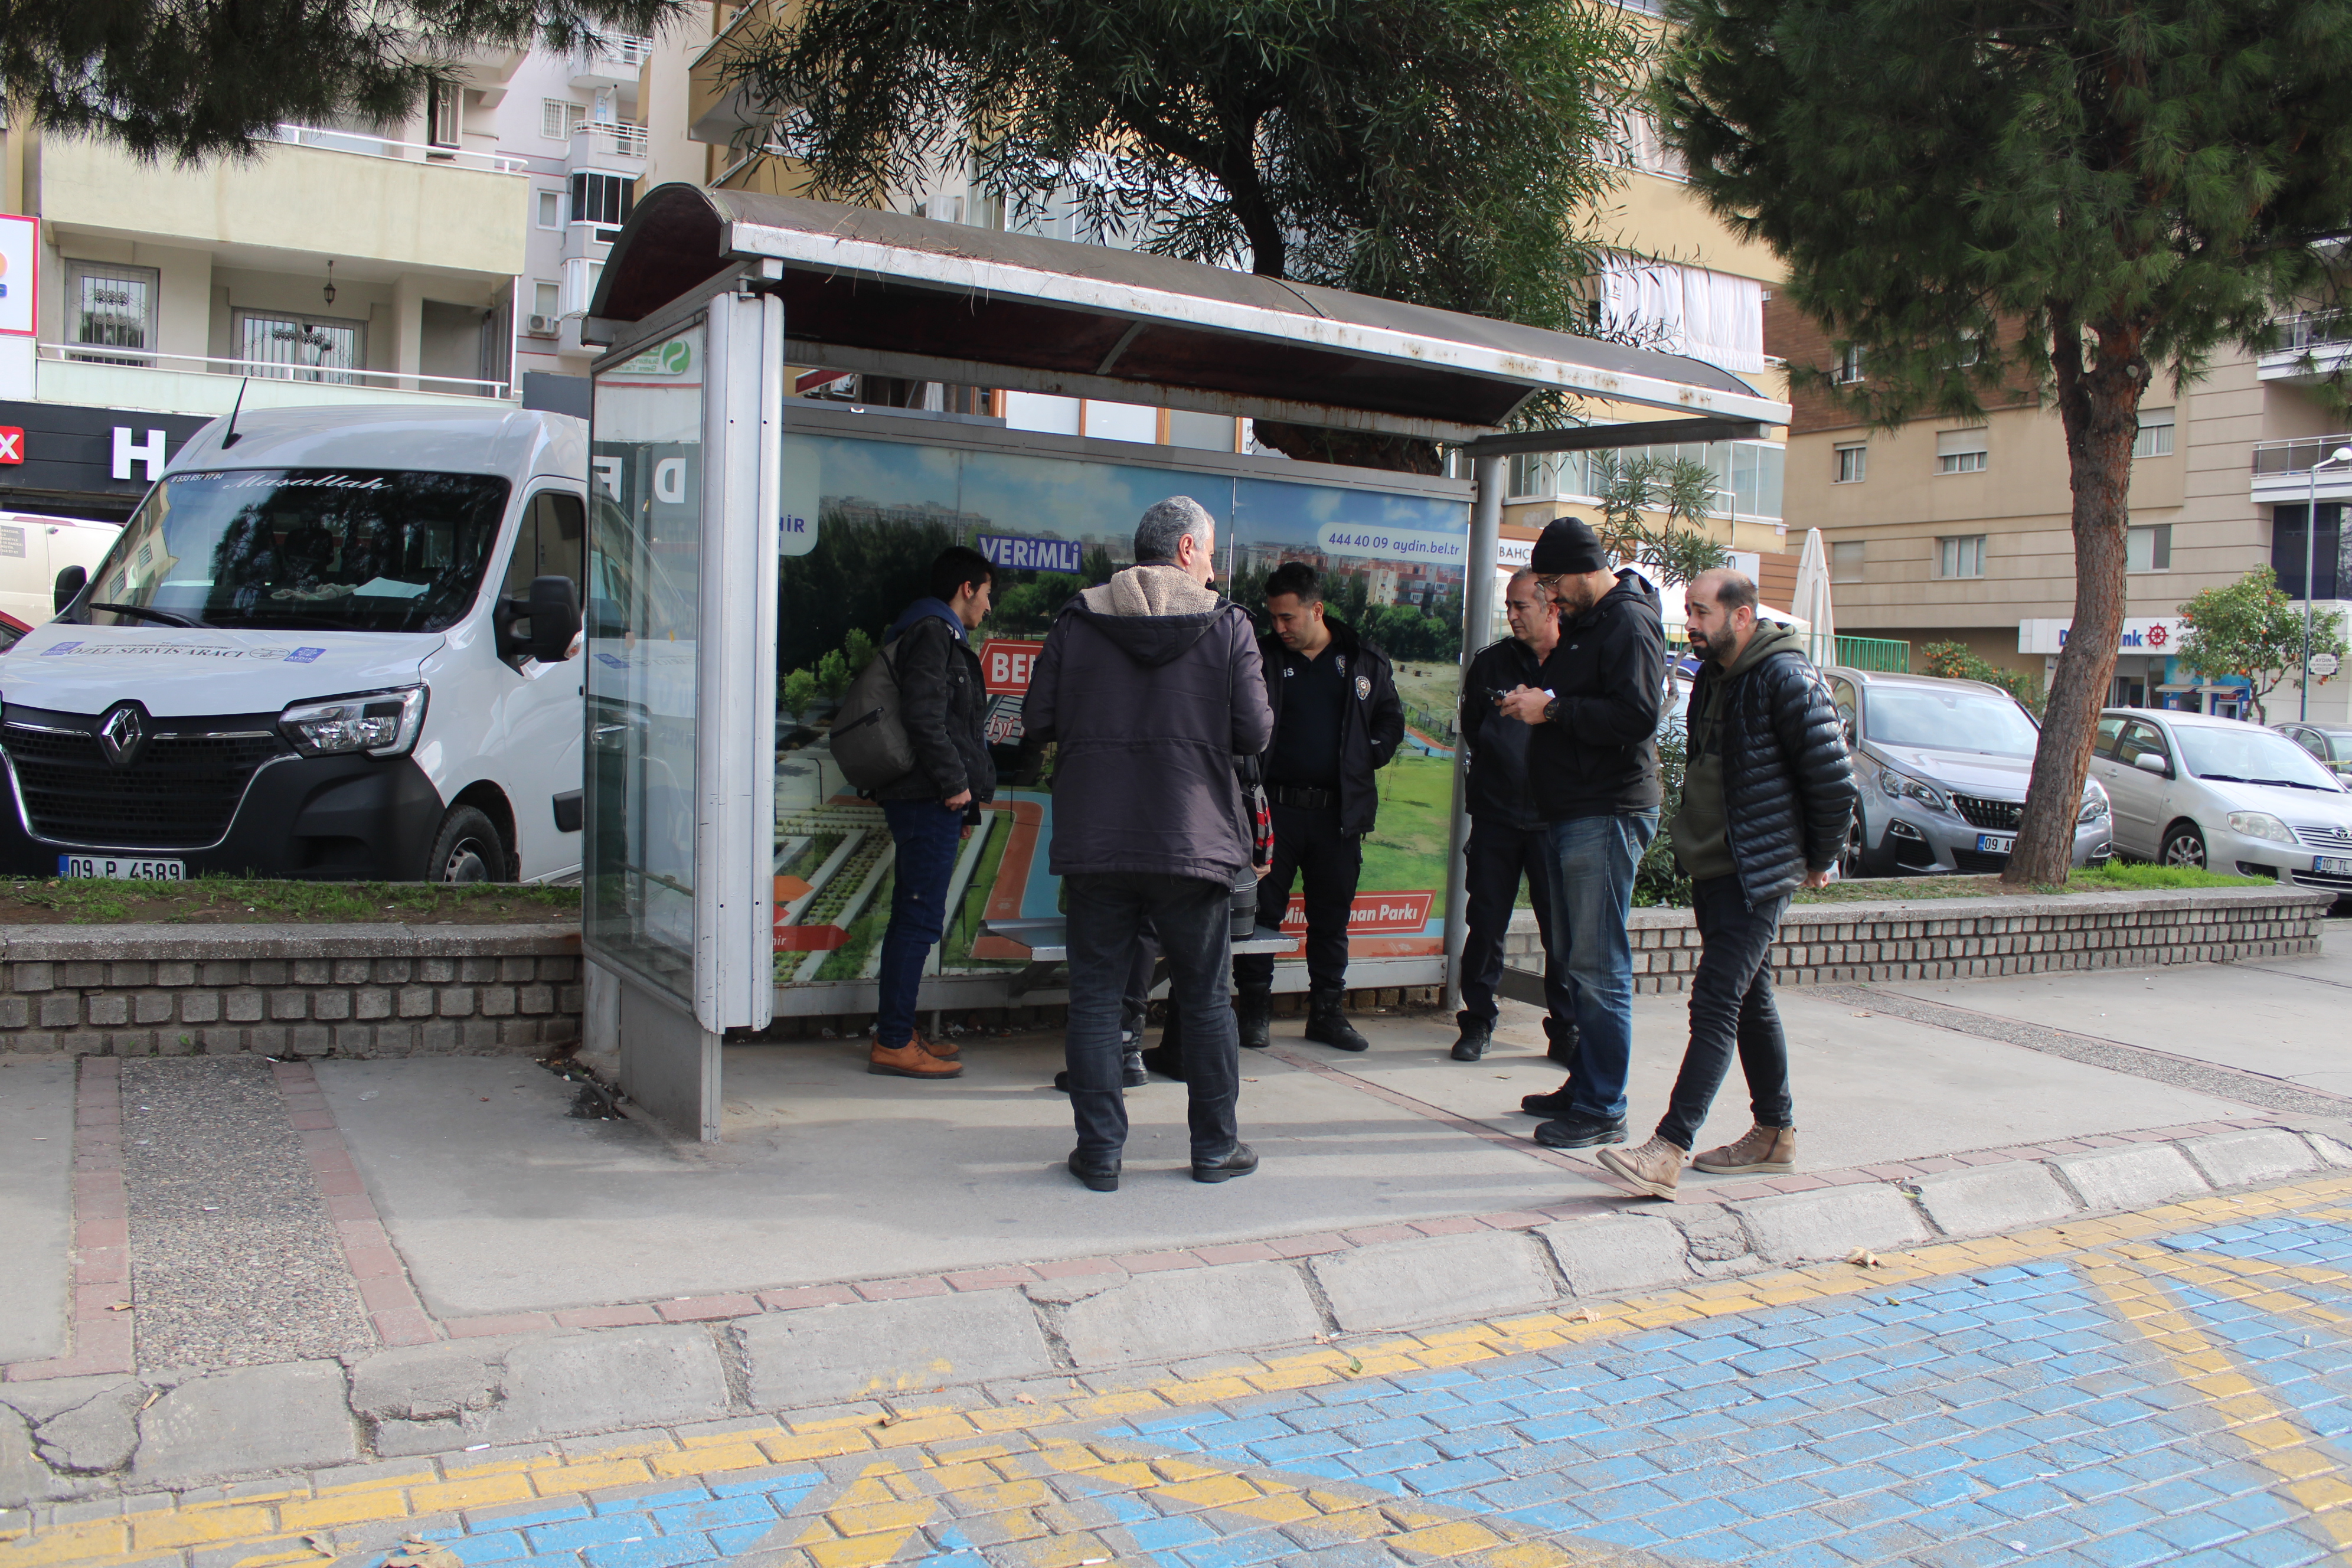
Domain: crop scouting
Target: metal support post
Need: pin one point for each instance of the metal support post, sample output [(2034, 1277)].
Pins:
[(1488, 478)]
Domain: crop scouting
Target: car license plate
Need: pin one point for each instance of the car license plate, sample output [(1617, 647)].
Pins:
[(122, 870), (2331, 865), (1996, 843)]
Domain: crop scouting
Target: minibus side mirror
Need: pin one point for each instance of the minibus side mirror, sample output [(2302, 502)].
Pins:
[(555, 607), (71, 583)]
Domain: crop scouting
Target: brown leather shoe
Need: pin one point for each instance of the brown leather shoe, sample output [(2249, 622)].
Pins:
[(910, 1060), (946, 1050), (1654, 1167), (1764, 1148)]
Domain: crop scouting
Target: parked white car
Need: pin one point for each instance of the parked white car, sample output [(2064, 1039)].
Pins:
[(34, 547), (2192, 789)]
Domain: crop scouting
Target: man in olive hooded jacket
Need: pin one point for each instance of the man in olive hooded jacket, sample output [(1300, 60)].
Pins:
[(1767, 792)]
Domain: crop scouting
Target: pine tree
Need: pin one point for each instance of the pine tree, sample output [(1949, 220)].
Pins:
[(1450, 153), (193, 79), (2068, 196)]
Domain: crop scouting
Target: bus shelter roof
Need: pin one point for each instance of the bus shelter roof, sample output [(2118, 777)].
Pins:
[(887, 294)]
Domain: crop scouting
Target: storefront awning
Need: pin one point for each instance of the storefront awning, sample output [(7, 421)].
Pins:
[(886, 294)]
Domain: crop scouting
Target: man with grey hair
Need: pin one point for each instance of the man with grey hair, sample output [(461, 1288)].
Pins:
[(1149, 686)]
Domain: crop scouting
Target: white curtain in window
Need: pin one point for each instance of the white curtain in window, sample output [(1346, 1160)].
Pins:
[(1710, 316)]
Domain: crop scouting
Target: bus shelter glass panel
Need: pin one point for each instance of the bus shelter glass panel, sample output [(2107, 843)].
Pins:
[(863, 519), (644, 578)]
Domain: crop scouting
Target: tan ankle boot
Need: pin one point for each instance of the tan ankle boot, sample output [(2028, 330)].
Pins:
[(910, 1060), (1654, 1167), (1764, 1150)]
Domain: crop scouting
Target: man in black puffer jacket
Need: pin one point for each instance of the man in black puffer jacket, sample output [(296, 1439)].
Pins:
[(1767, 792)]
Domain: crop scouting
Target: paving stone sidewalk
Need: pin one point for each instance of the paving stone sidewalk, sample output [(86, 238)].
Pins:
[(2166, 1386)]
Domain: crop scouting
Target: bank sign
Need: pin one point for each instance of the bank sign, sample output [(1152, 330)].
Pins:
[(2141, 634)]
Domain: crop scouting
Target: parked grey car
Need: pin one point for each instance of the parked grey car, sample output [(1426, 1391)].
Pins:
[(2330, 743), (1943, 766), (2193, 790)]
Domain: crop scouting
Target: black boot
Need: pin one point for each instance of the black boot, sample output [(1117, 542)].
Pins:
[(1327, 1024), (1254, 1016), (1563, 1038), (1167, 1057), (1559, 1102), (1478, 1034)]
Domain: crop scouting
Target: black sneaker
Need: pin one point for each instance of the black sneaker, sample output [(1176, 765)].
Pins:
[(1577, 1131), (1557, 1103)]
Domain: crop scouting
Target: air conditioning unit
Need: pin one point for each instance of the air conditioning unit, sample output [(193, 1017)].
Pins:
[(544, 327)]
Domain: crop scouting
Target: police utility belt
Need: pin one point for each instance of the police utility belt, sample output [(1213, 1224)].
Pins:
[(1301, 797)]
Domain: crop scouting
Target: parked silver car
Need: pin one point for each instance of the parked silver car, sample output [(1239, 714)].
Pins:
[(2331, 743), (2192, 789), (1943, 766)]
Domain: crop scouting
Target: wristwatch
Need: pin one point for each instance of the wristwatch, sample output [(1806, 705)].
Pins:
[(1551, 712)]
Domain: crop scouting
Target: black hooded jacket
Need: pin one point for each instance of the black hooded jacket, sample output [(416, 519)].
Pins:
[(1149, 688), (1371, 721), (1598, 755)]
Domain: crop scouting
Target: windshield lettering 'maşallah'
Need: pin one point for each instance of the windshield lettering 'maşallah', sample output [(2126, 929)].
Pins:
[(337, 549)]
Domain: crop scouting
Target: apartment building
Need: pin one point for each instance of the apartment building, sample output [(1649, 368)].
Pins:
[(1952, 530), (434, 259)]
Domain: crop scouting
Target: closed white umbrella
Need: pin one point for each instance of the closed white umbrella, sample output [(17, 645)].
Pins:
[(1812, 600)]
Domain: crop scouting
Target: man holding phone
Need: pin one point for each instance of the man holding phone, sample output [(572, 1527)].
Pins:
[(1508, 840)]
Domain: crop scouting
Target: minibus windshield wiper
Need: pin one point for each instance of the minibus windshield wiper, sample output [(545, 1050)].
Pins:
[(167, 617)]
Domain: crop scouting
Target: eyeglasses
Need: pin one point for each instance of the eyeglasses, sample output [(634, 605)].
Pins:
[(1551, 582)]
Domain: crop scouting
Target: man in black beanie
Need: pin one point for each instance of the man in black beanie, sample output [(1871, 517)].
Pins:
[(1592, 763)]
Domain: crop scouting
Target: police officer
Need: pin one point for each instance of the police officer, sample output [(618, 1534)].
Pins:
[(1336, 720), (1506, 832)]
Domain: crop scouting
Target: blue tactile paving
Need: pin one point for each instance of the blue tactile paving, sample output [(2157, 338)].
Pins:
[(2009, 1417)]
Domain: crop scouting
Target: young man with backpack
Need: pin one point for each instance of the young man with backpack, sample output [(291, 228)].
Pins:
[(930, 807)]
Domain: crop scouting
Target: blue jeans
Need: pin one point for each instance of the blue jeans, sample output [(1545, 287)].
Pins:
[(1592, 895), (929, 835)]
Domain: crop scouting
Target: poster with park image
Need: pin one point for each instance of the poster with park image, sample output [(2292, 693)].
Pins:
[(864, 518)]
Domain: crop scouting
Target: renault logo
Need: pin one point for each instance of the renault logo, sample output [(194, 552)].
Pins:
[(121, 733)]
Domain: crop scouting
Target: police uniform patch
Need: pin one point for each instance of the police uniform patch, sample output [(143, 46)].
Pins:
[(1363, 687)]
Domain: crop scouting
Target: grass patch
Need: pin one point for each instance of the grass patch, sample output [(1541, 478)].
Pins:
[(2115, 877), (244, 900), (1405, 852)]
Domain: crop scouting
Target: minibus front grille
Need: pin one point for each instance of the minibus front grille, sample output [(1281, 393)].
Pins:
[(180, 793)]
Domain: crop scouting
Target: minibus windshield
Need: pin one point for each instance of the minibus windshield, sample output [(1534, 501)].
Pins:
[(317, 549)]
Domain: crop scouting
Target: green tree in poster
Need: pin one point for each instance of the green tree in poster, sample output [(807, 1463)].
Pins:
[(859, 649), (832, 675), (799, 693)]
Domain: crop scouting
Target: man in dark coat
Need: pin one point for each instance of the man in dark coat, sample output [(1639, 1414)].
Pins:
[(1148, 686), (1767, 793), (942, 703), (1592, 758), (1508, 840), (1337, 720)]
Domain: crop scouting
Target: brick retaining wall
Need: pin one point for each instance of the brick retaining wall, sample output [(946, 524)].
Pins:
[(1946, 939), (357, 991)]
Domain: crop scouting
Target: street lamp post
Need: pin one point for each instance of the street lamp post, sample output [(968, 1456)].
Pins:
[(2310, 560)]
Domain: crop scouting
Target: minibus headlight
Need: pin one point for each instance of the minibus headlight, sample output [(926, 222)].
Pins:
[(381, 723)]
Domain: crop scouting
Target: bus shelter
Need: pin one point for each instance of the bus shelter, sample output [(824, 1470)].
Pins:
[(749, 546)]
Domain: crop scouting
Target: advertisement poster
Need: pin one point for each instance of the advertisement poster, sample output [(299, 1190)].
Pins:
[(20, 264), (863, 519)]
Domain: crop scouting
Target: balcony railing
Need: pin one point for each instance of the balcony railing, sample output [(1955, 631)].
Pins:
[(366, 146), (2297, 455), (1889, 655), (2300, 333), (621, 49), (609, 139), (272, 369)]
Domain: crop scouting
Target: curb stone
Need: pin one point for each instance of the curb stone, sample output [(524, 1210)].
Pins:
[(519, 1394), (1392, 1284)]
